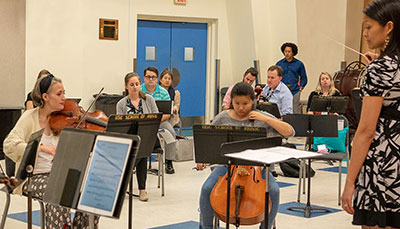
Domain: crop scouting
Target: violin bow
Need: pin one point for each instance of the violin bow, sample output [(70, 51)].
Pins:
[(87, 110)]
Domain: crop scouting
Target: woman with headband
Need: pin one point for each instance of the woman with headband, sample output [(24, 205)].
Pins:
[(48, 95)]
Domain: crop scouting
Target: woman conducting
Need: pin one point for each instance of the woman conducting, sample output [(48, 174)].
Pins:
[(372, 190)]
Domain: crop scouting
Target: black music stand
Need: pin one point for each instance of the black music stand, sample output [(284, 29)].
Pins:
[(74, 150), (312, 126), (209, 139), (330, 104), (271, 108), (144, 125), (164, 106)]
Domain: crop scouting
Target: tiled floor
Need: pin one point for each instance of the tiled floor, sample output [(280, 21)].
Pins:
[(178, 208)]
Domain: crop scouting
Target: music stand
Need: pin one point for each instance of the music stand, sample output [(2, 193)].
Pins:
[(208, 140), (312, 126), (332, 104), (144, 125), (164, 106), (271, 108), (74, 149), (29, 156)]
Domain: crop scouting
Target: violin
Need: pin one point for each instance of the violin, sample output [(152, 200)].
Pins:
[(247, 192), (73, 116), (258, 89)]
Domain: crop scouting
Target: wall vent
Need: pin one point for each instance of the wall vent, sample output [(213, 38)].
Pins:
[(108, 29)]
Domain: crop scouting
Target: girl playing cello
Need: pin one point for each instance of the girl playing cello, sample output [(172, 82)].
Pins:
[(242, 114)]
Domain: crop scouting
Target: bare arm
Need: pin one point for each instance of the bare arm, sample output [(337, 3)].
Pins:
[(165, 117), (282, 127), (371, 109), (29, 105)]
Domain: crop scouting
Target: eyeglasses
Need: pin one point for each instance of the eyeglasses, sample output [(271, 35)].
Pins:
[(150, 77)]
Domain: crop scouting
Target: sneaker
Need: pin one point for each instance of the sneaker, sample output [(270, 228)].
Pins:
[(143, 196), (169, 169)]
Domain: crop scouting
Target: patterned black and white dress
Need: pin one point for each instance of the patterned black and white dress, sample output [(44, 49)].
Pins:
[(377, 188)]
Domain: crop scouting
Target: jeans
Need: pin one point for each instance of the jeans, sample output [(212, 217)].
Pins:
[(207, 212)]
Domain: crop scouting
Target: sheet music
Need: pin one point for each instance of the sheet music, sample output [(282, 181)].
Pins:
[(273, 154)]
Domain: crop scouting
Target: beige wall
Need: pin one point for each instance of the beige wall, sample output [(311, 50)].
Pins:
[(274, 23), (12, 53), (318, 22), (62, 36), (354, 18)]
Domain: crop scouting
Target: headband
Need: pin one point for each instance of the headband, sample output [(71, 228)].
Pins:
[(45, 83)]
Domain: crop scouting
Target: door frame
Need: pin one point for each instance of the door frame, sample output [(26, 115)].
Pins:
[(211, 54)]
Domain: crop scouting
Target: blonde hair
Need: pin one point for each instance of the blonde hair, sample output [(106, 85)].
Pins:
[(332, 88)]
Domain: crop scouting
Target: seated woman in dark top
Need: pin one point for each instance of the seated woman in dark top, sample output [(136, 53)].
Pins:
[(325, 87)]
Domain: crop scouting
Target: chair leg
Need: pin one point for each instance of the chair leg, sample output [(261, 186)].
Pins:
[(216, 223), (304, 176), (274, 225), (300, 176), (5, 211), (162, 175), (340, 181), (42, 215), (159, 173)]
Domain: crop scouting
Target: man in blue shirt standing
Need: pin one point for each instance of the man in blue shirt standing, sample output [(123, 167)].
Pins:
[(152, 88), (294, 73)]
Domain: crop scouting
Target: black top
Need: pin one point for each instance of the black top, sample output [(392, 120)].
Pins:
[(337, 93)]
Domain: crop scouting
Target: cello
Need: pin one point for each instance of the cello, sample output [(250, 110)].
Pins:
[(247, 189)]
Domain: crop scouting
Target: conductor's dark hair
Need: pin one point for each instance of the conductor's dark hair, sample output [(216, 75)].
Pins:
[(242, 89), (253, 71), (384, 11), (291, 45)]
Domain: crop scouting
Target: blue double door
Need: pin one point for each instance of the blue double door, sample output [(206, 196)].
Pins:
[(181, 47)]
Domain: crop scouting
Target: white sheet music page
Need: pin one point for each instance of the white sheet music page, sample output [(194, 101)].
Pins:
[(273, 154)]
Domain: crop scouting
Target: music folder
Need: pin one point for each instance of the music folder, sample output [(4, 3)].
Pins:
[(164, 106), (144, 125), (209, 138), (271, 108)]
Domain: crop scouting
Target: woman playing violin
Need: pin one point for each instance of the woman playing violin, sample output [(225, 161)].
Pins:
[(137, 102), (242, 114), (49, 96)]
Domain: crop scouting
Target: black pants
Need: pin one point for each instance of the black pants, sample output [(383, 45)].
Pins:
[(141, 172)]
